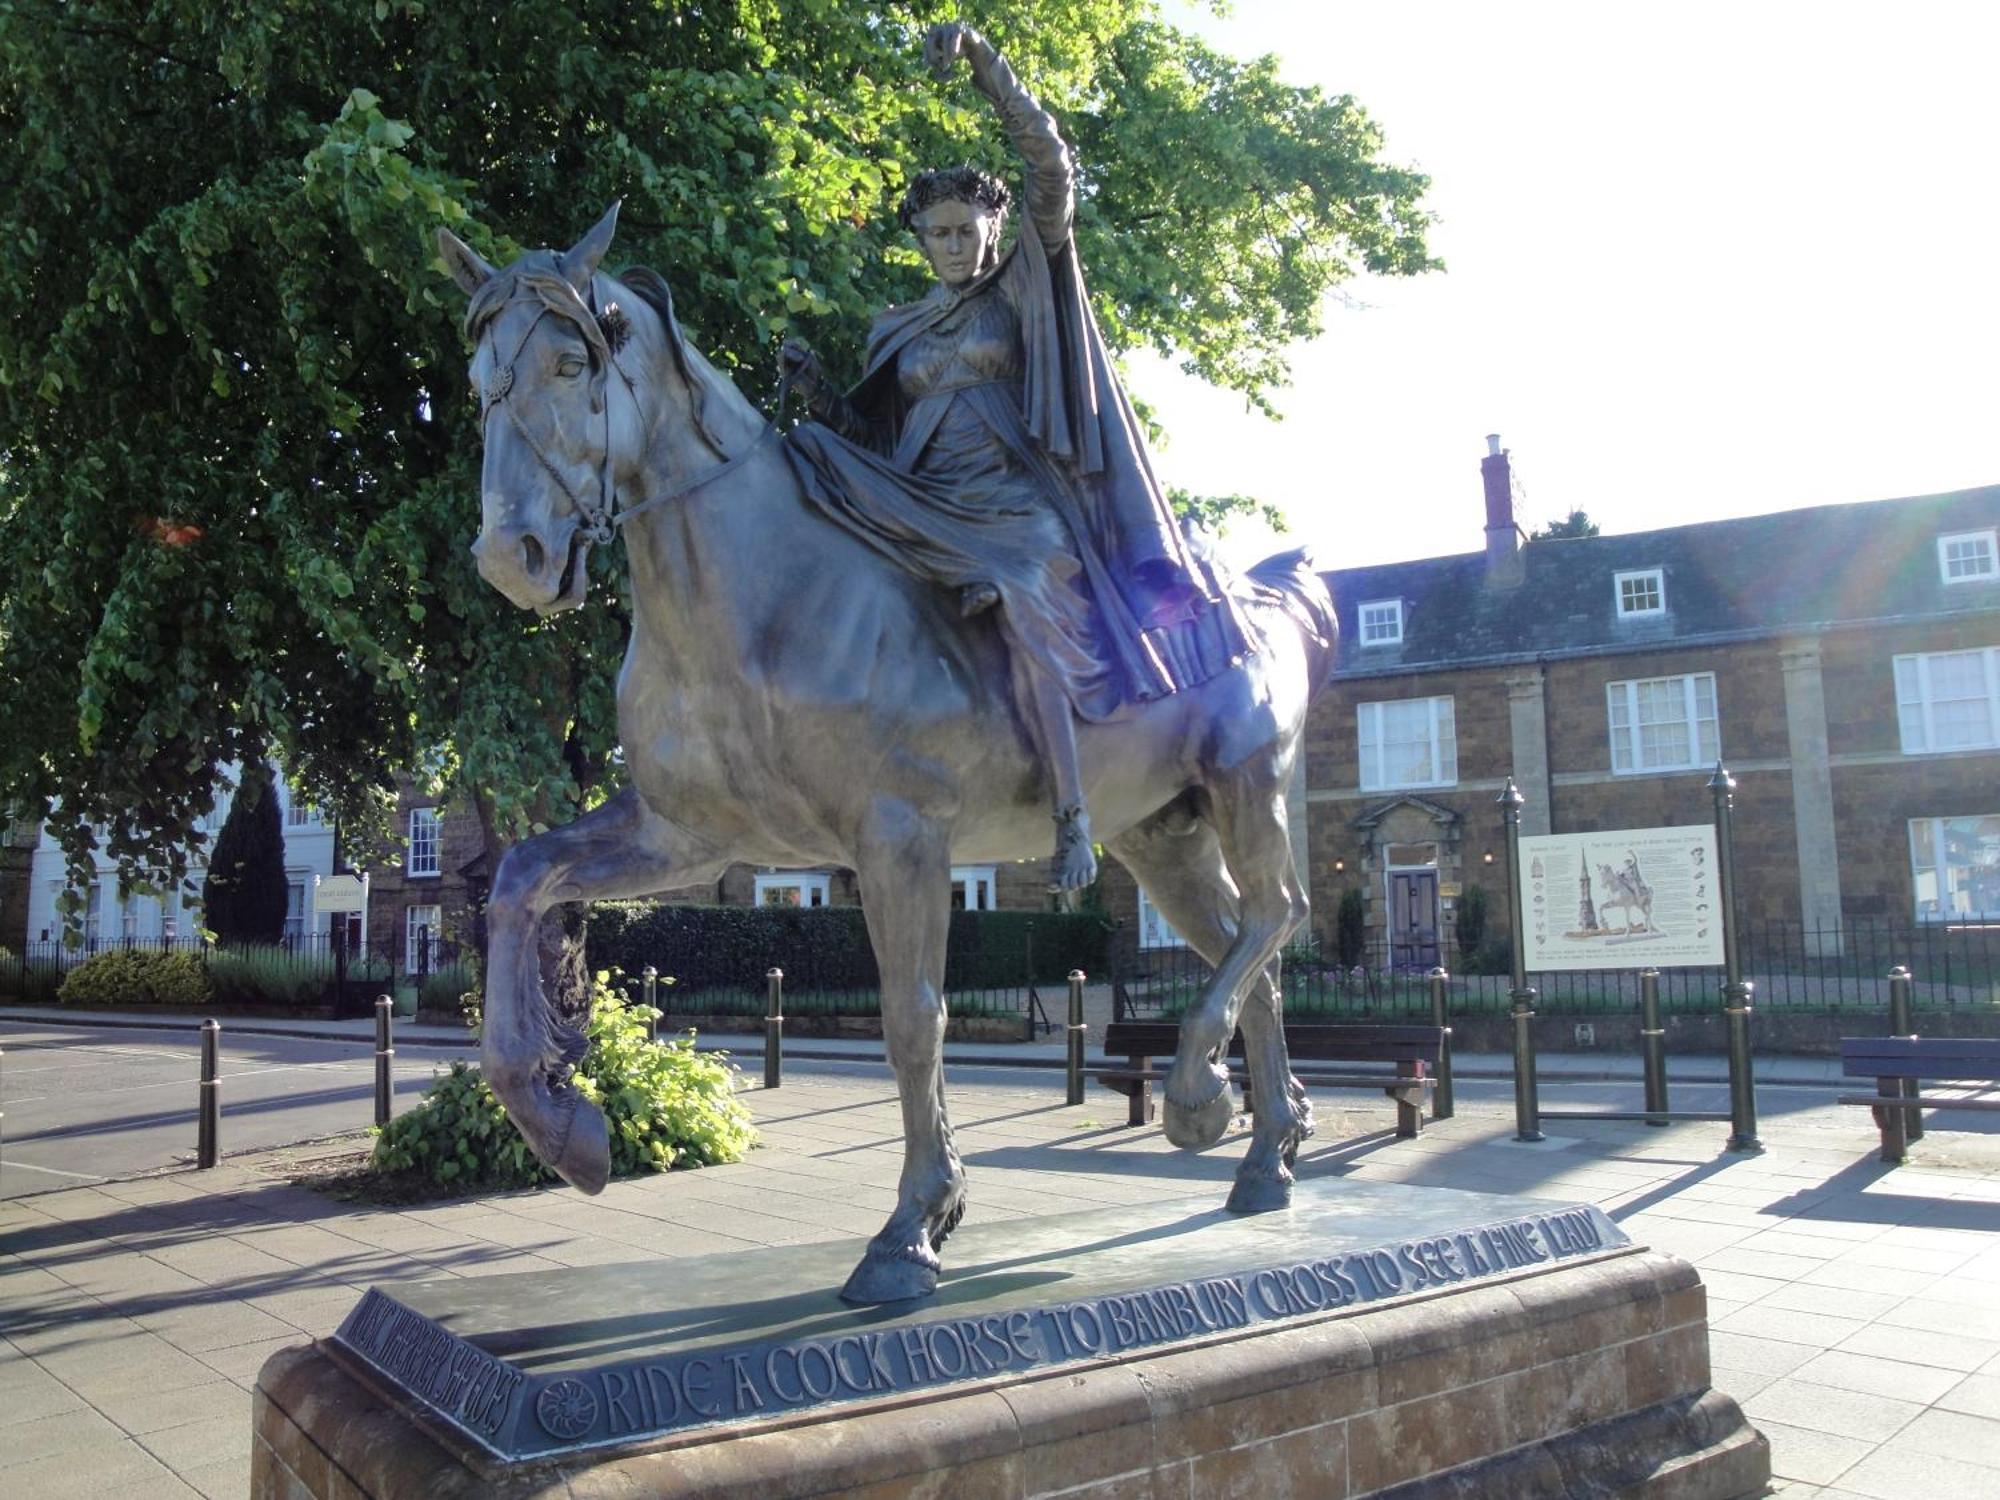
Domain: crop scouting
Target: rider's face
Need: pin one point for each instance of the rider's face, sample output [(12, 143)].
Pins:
[(958, 239)]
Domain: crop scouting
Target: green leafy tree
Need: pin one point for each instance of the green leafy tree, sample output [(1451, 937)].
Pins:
[(1576, 523), (238, 461), (244, 894)]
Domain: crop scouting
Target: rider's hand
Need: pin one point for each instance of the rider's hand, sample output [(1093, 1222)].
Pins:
[(945, 45), (797, 361)]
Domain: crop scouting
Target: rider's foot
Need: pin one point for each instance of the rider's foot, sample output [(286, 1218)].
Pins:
[(1075, 863), (976, 598)]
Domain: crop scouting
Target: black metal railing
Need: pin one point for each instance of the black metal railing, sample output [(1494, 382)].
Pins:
[(1792, 965)]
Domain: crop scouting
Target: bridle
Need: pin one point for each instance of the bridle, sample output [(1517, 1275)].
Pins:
[(601, 514)]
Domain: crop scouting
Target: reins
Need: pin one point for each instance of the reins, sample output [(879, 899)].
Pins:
[(602, 515)]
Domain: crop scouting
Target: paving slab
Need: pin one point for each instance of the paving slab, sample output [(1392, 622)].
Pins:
[(1812, 1252)]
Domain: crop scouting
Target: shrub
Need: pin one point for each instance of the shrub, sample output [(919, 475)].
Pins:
[(138, 976), (667, 1106), (445, 988), (1469, 922), (827, 948), (266, 974), (1350, 928), (32, 980)]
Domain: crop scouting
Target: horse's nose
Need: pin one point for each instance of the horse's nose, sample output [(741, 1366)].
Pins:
[(513, 562)]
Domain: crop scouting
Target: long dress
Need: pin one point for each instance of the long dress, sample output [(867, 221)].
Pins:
[(989, 441)]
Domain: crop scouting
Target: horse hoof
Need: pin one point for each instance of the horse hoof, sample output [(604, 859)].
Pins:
[(889, 1278), (1259, 1195), (585, 1163), (1198, 1126)]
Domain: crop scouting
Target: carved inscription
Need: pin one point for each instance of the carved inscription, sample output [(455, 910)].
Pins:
[(619, 1402), (640, 1399), (461, 1380)]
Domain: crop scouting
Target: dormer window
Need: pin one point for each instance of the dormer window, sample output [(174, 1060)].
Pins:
[(1969, 557), (1640, 593), (1381, 622)]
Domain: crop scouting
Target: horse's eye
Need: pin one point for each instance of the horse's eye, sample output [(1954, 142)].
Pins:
[(569, 367)]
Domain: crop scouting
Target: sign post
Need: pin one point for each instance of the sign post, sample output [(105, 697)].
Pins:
[(1527, 1099)]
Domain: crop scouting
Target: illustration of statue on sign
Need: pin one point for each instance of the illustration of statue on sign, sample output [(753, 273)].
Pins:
[(1627, 890)]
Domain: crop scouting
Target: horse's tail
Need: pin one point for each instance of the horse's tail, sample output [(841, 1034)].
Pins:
[(1302, 593)]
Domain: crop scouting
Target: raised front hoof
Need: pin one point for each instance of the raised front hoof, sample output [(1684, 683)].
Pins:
[(1259, 1195), (1196, 1127), (585, 1163), (890, 1276)]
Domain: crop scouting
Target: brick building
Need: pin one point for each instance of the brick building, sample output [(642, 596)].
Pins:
[(1844, 661)]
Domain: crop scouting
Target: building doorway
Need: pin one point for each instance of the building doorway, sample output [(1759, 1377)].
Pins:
[(1413, 918)]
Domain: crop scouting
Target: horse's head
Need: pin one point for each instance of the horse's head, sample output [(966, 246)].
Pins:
[(541, 370)]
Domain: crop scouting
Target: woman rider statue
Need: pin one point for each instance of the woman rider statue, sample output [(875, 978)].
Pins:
[(988, 446)]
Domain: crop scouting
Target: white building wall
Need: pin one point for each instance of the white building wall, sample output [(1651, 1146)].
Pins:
[(308, 852)]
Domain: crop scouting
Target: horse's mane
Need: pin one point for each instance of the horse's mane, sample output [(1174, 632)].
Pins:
[(711, 395), (710, 392)]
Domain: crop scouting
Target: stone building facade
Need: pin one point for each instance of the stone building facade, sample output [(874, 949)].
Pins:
[(1843, 661)]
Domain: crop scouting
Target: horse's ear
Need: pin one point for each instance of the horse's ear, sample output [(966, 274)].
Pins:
[(467, 266), (579, 262)]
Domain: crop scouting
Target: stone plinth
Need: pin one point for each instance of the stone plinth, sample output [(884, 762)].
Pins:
[(1372, 1340)]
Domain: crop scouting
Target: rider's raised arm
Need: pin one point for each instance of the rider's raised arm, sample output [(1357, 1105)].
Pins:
[(1050, 189)]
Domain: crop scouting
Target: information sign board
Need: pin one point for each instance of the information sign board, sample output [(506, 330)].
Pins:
[(1626, 898)]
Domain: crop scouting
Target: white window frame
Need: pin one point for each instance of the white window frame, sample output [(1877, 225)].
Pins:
[(422, 860), (1653, 580), (415, 919), (1981, 547), (978, 885), (1155, 931), (1386, 613), (1918, 729), (1627, 691), (1930, 832), (297, 913), (815, 888), (1444, 757)]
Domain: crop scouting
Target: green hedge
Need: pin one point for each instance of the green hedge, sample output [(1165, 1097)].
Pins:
[(822, 948), (138, 976)]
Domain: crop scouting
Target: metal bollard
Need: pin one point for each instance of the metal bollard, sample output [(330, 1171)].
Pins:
[(1527, 1099), (774, 1025), (651, 978), (385, 1056), (1903, 1023), (1441, 1105), (208, 1120), (1737, 993), (1076, 1031), (1653, 1045)]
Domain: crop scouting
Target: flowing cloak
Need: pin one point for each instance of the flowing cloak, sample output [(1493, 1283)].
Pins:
[(1161, 621)]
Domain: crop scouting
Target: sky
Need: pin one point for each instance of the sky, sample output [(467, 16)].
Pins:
[(1704, 260)]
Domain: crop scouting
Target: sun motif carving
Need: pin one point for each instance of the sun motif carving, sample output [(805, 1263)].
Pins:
[(566, 1409)]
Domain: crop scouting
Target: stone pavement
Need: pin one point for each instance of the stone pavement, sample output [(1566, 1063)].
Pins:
[(1856, 1308)]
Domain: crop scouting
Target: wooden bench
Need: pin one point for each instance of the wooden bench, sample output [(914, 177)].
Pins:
[(1414, 1052), (1891, 1060)]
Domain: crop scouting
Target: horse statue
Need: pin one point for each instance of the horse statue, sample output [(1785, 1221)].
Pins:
[(790, 697)]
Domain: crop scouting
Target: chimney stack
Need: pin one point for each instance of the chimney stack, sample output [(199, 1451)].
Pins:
[(1504, 564)]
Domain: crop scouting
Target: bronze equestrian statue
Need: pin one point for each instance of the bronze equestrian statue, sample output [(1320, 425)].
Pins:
[(851, 646)]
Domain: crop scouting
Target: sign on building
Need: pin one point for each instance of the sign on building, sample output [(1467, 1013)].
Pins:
[(1627, 898), (339, 893)]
